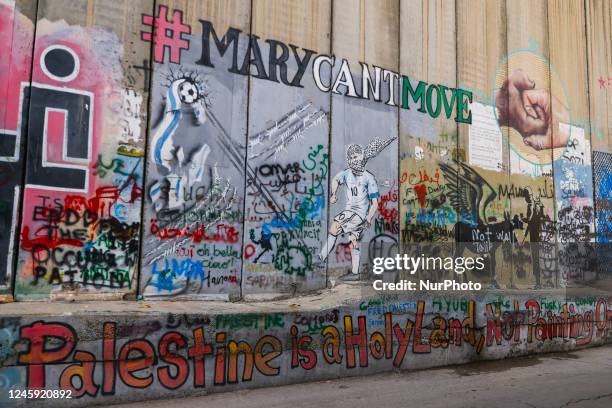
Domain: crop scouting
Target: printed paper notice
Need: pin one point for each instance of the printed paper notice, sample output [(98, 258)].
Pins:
[(485, 144)]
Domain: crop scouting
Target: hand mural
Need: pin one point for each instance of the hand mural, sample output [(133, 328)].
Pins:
[(530, 111)]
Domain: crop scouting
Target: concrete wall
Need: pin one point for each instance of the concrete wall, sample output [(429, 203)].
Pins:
[(197, 161), (106, 355), (18, 29), (242, 115), (83, 114), (198, 188)]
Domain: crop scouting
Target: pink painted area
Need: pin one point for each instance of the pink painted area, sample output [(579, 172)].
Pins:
[(56, 122), (90, 79), (99, 65), (16, 51)]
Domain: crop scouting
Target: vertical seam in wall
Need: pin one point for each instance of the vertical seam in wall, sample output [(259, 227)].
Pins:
[(457, 141), (513, 245), (149, 87), (590, 132), (399, 136), (246, 153), (10, 266), (552, 151), (362, 27), (329, 141), (22, 154), (608, 122), (608, 113)]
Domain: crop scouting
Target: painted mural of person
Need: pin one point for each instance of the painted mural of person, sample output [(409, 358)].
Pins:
[(179, 169), (265, 241), (361, 201), (535, 219)]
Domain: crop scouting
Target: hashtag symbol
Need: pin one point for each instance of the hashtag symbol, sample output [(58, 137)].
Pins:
[(167, 34)]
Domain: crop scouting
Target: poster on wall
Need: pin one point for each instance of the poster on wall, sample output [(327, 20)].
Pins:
[(485, 138)]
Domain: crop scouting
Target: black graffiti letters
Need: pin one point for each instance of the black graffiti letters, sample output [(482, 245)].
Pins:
[(278, 58), (8, 140), (50, 106), (230, 37)]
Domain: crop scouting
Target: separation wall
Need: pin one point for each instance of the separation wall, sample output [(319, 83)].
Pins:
[(244, 115), (131, 355)]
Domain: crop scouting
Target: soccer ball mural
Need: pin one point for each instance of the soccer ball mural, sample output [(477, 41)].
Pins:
[(188, 91)]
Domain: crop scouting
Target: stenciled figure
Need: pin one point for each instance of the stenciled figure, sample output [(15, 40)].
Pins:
[(265, 241), (535, 220), (180, 171), (361, 201)]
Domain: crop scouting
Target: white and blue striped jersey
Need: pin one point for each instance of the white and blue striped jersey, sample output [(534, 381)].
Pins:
[(360, 190)]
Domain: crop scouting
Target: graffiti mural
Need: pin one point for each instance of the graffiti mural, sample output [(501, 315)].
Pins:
[(276, 163), (18, 30), (602, 182), (194, 201), (602, 175), (161, 355), (82, 195), (575, 207), (364, 148), (361, 202), (252, 150), (288, 148)]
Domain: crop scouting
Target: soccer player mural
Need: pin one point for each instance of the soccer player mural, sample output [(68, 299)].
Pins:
[(361, 201), (184, 94)]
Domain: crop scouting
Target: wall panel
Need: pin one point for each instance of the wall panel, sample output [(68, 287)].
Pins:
[(599, 55), (481, 47), (427, 145), (194, 194), (285, 144), (288, 152), (367, 129), (85, 154), (17, 32), (572, 167), (531, 183)]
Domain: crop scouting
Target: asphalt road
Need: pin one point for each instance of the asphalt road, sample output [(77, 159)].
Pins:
[(576, 379)]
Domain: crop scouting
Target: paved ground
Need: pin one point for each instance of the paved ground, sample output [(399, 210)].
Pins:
[(577, 379)]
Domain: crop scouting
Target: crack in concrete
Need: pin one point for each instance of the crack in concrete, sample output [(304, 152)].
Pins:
[(570, 402)]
